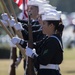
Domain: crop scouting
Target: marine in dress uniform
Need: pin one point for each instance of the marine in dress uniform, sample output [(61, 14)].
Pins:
[(51, 49)]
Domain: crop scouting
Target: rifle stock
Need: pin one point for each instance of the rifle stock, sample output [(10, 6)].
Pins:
[(12, 70), (30, 67)]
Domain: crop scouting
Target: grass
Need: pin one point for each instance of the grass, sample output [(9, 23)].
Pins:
[(67, 67)]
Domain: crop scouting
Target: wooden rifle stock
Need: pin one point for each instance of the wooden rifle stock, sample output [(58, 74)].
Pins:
[(30, 67), (12, 70)]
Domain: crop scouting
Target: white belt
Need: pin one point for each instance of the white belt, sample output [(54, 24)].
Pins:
[(50, 66)]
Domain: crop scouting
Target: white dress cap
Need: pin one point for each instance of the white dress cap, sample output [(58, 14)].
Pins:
[(36, 2), (51, 15), (45, 10), (45, 7)]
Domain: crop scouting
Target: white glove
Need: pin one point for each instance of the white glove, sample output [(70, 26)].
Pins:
[(12, 22), (17, 62), (18, 26), (5, 16), (4, 23), (30, 52), (15, 40), (12, 45)]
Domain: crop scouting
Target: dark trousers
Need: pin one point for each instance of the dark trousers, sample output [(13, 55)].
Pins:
[(48, 72)]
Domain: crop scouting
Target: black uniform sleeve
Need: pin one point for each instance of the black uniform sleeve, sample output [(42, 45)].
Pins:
[(37, 35), (48, 53), (25, 34), (22, 21), (36, 30), (23, 43), (35, 27)]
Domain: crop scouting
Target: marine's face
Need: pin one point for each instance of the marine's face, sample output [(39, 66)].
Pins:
[(33, 10), (47, 29)]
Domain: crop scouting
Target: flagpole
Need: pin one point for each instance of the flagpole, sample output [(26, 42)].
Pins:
[(6, 10), (14, 15), (11, 36)]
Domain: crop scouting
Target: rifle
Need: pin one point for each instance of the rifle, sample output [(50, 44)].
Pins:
[(30, 67)]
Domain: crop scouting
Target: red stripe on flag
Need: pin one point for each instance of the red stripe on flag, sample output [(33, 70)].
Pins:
[(20, 2), (24, 8)]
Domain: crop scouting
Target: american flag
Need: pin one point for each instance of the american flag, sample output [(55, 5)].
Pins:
[(22, 4)]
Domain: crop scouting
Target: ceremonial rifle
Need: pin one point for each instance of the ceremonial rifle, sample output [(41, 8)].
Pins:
[(30, 67)]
